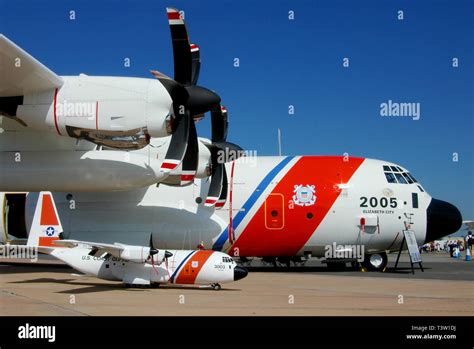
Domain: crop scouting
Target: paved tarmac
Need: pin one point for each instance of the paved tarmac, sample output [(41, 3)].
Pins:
[(445, 288)]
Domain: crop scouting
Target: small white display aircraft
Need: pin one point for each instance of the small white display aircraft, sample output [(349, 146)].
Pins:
[(132, 265)]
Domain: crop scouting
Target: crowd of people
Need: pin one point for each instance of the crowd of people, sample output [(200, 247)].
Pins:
[(454, 245)]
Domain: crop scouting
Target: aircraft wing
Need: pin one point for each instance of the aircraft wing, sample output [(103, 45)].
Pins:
[(21, 73), (94, 245), (114, 250)]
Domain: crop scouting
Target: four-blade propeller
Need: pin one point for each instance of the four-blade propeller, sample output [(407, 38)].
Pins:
[(190, 103), (189, 100)]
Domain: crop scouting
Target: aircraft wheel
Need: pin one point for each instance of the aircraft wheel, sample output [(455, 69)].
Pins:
[(216, 287), (375, 261)]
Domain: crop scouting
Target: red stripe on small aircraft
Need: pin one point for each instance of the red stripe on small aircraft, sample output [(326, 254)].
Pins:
[(188, 272), (47, 241), (48, 213), (54, 112), (325, 173)]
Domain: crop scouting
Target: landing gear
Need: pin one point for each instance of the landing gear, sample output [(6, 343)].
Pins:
[(375, 261), (216, 287)]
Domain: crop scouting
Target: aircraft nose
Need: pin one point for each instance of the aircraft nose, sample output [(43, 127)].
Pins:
[(240, 273), (443, 219)]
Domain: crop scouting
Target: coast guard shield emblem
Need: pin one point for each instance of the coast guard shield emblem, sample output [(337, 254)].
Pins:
[(304, 195)]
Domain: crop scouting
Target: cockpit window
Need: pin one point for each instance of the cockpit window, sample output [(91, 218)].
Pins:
[(411, 176), (394, 169), (400, 178), (227, 260), (395, 174), (408, 179), (390, 177)]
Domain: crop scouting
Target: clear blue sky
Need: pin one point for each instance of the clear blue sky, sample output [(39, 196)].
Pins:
[(295, 62)]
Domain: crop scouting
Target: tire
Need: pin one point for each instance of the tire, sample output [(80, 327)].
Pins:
[(375, 261), (216, 287)]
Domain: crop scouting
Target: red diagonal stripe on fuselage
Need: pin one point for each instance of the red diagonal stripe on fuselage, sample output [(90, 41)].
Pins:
[(325, 172)]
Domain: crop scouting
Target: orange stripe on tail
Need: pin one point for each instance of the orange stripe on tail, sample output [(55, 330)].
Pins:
[(48, 213), (47, 241)]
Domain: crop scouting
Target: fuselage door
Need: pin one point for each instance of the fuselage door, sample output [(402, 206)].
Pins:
[(274, 212)]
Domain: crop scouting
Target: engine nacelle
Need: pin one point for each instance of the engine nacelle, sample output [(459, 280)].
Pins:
[(116, 112), (136, 254)]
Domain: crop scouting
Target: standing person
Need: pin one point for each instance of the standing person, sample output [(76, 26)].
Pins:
[(451, 248), (469, 240)]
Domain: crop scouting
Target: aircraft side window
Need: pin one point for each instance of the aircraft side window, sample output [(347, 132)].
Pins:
[(408, 179), (390, 177), (400, 178)]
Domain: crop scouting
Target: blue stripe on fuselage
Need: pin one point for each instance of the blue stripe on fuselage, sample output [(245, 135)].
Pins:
[(179, 266), (250, 202)]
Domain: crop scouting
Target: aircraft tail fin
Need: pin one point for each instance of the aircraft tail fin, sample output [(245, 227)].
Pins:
[(46, 226)]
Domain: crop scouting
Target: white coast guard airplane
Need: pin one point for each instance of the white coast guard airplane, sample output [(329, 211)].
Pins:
[(132, 265), (105, 181)]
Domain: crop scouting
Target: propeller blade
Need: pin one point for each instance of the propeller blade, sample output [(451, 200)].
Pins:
[(191, 157), (226, 152), (215, 188), (181, 51), (179, 139), (150, 243), (201, 99), (223, 197), (196, 63), (219, 124)]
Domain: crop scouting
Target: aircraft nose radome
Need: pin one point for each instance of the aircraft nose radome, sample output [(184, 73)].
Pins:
[(443, 219), (240, 273)]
